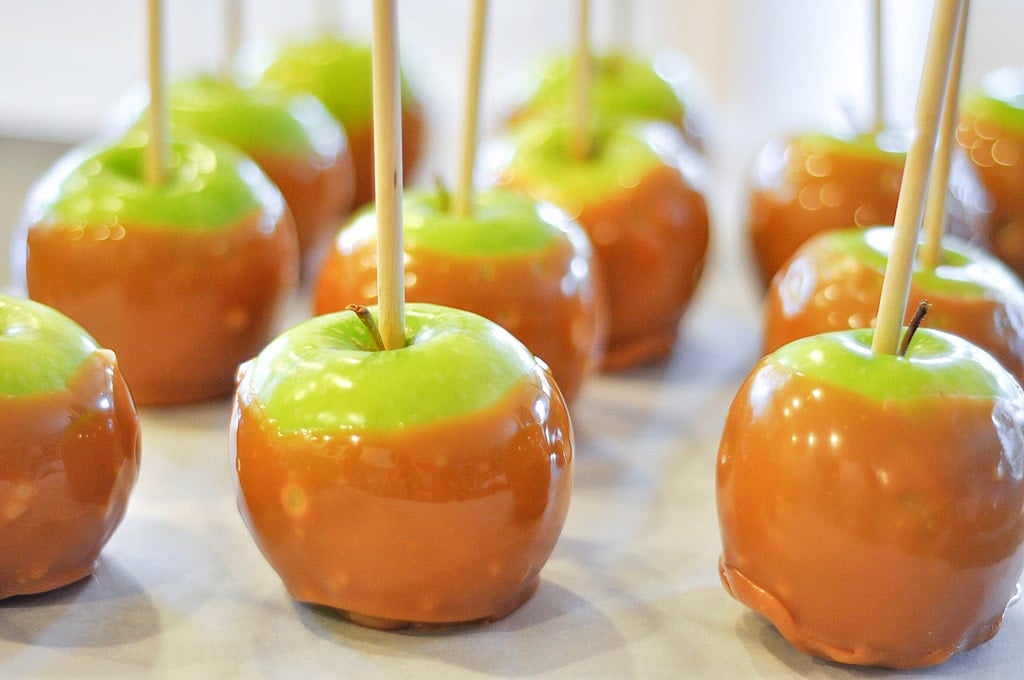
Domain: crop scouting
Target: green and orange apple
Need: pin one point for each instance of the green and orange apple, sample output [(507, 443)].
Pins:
[(414, 486), (339, 74), (834, 282), (69, 448), (183, 279), (639, 197), (522, 264), (871, 506), (804, 184)]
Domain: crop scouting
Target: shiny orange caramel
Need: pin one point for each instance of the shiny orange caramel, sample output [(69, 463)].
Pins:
[(651, 242), (180, 309), (442, 523), (870, 533), (828, 287), (319, 194), (68, 462), (550, 303), (360, 141)]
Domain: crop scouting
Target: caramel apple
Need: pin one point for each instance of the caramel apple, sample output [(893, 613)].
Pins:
[(638, 196), (421, 485), (183, 279), (834, 282), (339, 74), (523, 265), (69, 448), (813, 182), (991, 131)]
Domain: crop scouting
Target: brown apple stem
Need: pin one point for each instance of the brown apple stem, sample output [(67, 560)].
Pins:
[(371, 325), (471, 111), (930, 253), (915, 322), (157, 148), (878, 75), (580, 142), (910, 205), (387, 174), (444, 197), (232, 38)]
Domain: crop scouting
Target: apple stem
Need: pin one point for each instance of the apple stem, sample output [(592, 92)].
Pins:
[(444, 197), (930, 253), (922, 309), (157, 150), (371, 325), (580, 142), (910, 205), (232, 37), (471, 112), (387, 174), (878, 75)]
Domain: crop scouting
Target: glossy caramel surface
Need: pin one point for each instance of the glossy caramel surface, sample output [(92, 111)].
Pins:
[(180, 309), (68, 462), (870, 534), (434, 524)]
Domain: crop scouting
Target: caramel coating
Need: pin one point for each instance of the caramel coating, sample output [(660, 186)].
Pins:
[(360, 141), (180, 309), (867, 533), (68, 463), (997, 155), (444, 523)]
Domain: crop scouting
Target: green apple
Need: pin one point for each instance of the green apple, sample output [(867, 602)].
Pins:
[(639, 198), (69, 448), (183, 279), (523, 265), (420, 485), (834, 282), (623, 86), (803, 184), (991, 131), (872, 506), (339, 74)]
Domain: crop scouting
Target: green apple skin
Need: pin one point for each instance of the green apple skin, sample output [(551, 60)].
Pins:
[(639, 196), (522, 264), (425, 485), (69, 448), (183, 280), (991, 132), (339, 74), (872, 506), (623, 86), (40, 348), (834, 282)]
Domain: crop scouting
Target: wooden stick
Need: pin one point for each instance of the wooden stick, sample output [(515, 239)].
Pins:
[(387, 160), (579, 143), (910, 206), (232, 38), (878, 82), (930, 253), (471, 110), (157, 148)]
